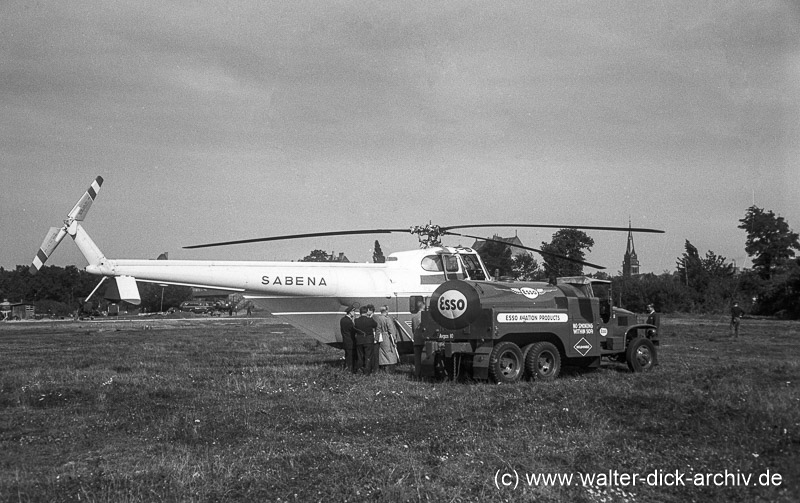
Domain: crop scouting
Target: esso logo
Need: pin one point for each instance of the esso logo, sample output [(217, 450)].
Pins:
[(531, 293), (452, 304)]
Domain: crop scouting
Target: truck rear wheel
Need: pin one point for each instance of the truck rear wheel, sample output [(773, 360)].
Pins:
[(641, 355), (505, 363), (543, 362)]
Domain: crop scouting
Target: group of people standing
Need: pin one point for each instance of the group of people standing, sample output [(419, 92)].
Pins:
[(369, 339)]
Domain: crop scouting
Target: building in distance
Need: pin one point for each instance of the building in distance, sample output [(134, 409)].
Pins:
[(515, 251), (630, 262)]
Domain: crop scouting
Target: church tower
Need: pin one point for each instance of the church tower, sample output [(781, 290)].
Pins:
[(630, 264)]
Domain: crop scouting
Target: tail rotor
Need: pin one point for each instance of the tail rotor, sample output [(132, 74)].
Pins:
[(56, 235), (81, 208)]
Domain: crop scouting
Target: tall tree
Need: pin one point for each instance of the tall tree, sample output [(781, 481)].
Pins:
[(690, 266), (709, 280), (497, 258), (377, 254), (568, 243), (526, 268), (781, 295), (769, 240), (317, 256)]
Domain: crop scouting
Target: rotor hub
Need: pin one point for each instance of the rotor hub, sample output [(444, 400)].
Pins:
[(429, 235)]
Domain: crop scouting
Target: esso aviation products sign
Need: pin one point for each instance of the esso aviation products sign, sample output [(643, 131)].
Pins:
[(532, 318), (455, 304)]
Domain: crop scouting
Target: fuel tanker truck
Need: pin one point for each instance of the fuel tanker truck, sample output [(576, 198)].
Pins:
[(505, 331)]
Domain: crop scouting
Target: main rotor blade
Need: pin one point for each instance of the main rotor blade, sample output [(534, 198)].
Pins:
[(553, 226), (297, 236), (582, 262)]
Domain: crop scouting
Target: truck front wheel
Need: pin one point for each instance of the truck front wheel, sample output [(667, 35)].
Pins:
[(505, 363), (543, 362), (641, 355)]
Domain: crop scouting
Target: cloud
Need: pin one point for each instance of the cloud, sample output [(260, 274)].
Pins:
[(583, 112)]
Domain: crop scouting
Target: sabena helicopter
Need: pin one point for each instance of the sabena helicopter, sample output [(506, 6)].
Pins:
[(312, 296)]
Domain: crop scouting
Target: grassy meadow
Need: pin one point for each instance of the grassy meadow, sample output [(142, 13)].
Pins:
[(249, 409)]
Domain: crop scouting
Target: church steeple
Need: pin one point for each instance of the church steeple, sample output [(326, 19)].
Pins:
[(630, 264)]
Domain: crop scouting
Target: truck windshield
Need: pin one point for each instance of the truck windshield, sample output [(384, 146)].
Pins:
[(603, 292)]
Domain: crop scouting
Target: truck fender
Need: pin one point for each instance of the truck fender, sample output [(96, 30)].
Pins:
[(647, 330)]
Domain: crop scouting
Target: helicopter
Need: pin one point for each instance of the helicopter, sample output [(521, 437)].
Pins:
[(311, 296)]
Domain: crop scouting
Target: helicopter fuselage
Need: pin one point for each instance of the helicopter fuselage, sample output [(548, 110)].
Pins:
[(313, 295)]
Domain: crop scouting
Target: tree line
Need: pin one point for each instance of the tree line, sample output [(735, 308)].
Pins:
[(700, 283), (61, 291)]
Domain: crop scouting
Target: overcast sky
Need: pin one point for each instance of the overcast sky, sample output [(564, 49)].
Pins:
[(213, 121)]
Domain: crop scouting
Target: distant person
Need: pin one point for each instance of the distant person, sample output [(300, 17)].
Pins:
[(653, 318), (249, 310), (419, 337), (365, 340), (388, 348), (736, 318), (651, 311), (348, 331)]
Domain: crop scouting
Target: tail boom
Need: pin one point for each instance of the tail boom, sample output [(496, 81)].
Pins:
[(88, 248)]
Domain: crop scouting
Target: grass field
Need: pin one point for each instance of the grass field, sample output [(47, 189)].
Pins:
[(248, 409)]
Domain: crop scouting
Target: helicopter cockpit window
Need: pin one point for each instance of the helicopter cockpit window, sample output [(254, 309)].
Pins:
[(439, 263), (473, 267), (432, 263), (450, 263)]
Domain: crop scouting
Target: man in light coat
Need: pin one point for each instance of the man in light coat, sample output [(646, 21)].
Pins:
[(388, 348)]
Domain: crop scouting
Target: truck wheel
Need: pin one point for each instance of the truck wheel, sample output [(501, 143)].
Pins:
[(505, 363), (641, 355), (543, 362)]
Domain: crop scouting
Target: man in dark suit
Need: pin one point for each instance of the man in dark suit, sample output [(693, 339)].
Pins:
[(653, 318), (365, 339), (419, 338), (348, 330)]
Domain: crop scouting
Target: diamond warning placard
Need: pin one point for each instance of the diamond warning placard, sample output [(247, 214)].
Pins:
[(582, 346)]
